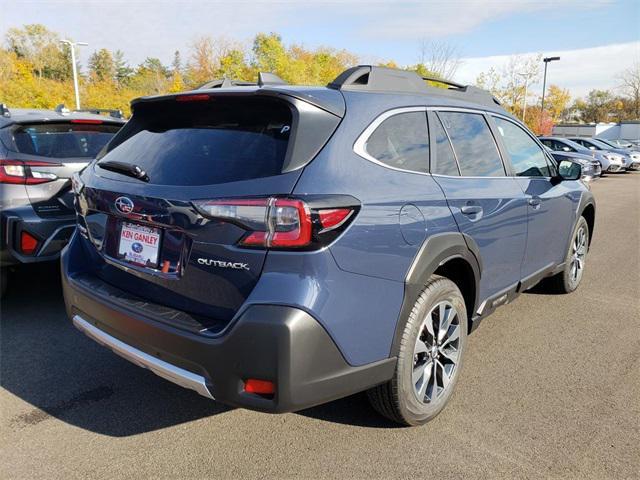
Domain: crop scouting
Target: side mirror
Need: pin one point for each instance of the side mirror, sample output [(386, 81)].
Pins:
[(569, 170)]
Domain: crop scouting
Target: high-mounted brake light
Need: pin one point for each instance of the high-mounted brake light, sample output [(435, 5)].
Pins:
[(87, 121), (198, 97), (282, 223), (20, 172)]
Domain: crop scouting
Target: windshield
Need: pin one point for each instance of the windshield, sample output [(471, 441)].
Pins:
[(599, 144), (616, 144), (574, 145)]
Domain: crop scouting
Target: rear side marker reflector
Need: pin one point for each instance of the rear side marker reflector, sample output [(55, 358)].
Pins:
[(28, 243), (261, 387)]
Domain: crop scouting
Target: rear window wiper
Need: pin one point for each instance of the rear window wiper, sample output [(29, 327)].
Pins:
[(128, 169)]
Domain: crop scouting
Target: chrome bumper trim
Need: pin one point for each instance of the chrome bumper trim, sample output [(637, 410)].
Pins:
[(163, 369)]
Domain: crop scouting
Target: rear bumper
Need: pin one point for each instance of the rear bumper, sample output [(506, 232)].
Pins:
[(277, 343), (53, 234)]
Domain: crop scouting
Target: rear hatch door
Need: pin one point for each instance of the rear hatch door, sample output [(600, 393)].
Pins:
[(52, 151), (146, 229)]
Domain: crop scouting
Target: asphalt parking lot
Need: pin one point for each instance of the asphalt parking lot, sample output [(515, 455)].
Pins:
[(550, 388)]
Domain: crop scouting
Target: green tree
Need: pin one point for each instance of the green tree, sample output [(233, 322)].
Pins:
[(40, 47), (269, 55), (557, 102), (123, 72), (598, 106), (102, 65)]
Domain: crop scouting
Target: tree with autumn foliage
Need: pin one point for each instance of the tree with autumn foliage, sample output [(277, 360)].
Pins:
[(35, 72)]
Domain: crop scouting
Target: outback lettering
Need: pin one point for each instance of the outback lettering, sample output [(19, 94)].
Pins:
[(222, 264)]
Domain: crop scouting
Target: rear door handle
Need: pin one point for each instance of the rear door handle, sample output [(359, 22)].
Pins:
[(535, 202), (471, 210)]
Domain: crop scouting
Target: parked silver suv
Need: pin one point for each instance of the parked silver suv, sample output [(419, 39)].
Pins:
[(39, 152)]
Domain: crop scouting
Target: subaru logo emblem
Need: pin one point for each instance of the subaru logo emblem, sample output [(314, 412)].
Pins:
[(124, 205)]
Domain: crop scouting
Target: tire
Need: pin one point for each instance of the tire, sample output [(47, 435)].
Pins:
[(569, 278), (407, 397)]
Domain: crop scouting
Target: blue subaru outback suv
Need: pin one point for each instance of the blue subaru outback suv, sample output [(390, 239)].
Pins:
[(275, 247)]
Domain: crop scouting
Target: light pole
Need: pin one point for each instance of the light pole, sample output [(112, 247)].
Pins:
[(526, 77), (546, 61), (72, 45)]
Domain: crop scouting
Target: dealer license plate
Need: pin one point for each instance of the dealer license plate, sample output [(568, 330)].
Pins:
[(139, 244)]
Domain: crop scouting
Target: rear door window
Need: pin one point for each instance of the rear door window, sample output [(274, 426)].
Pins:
[(401, 141), (62, 140), (204, 143), (473, 144)]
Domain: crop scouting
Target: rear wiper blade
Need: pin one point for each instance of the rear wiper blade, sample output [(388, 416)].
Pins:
[(128, 169)]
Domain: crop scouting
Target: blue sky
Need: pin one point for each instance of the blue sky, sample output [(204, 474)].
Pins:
[(483, 31)]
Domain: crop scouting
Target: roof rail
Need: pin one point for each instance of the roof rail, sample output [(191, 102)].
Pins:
[(449, 83), (113, 113), (368, 78), (61, 109), (4, 111), (264, 78), (225, 83)]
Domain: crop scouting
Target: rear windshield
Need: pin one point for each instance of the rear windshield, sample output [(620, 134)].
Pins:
[(205, 142), (61, 140)]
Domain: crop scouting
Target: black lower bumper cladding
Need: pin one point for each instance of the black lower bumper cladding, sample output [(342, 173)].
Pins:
[(281, 344)]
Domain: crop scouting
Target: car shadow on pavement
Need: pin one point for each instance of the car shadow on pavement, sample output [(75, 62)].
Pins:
[(354, 410), (63, 374)]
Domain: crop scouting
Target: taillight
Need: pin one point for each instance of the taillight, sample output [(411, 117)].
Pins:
[(26, 172), (282, 223)]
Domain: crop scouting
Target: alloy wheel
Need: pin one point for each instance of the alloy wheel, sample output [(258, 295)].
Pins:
[(436, 353), (578, 253)]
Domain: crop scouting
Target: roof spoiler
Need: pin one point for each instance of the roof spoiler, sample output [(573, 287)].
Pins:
[(264, 78), (370, 78), (113, 113)]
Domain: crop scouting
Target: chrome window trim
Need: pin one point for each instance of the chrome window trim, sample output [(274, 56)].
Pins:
[(359, 147)]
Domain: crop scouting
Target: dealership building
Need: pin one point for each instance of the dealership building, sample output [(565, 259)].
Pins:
[(612, 131)]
